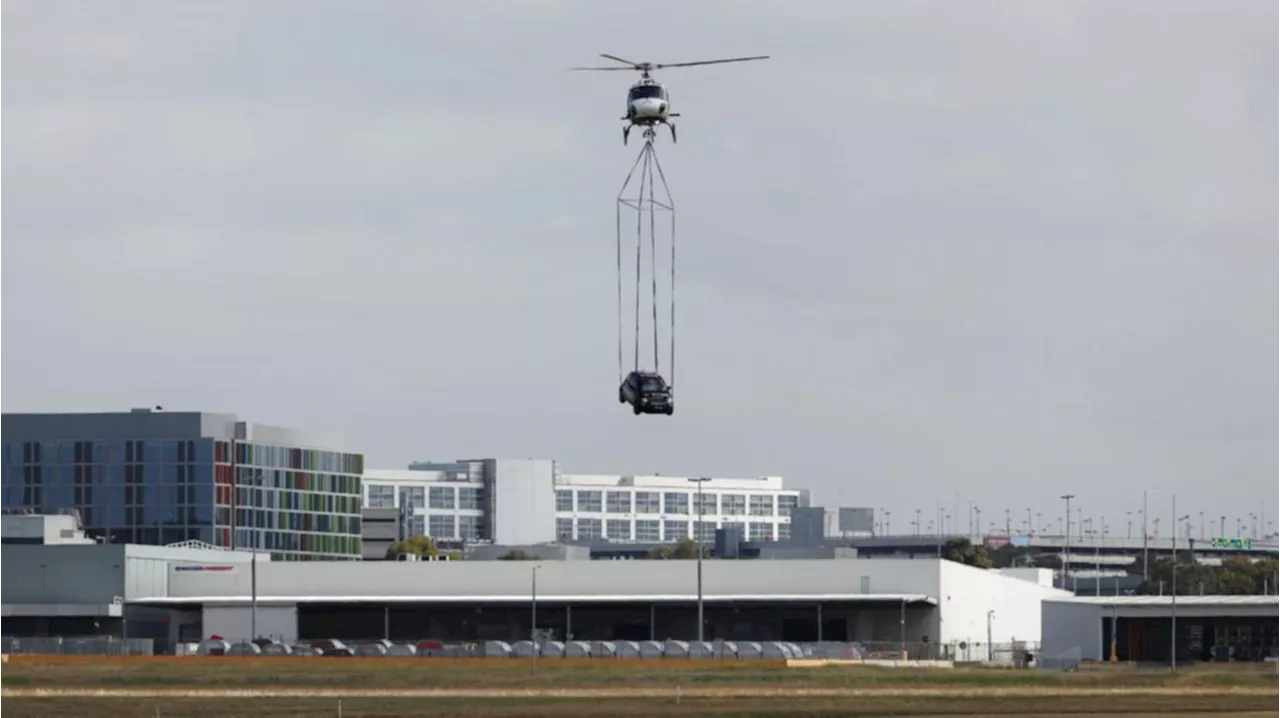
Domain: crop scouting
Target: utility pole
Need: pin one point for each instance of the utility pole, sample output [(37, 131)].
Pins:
[(1008, 524), (1173, 589), (1144, 536), (698, 533), (1066, 545)]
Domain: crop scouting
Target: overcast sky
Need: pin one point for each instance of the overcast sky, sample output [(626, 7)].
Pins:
[(929, 252)]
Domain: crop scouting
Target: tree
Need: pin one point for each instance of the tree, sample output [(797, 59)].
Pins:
[(516, 554), (1236, 576), (421, 546), (685, 548), (962, 551)]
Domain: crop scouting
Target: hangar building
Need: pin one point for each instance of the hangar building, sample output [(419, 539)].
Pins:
[(182, 595)]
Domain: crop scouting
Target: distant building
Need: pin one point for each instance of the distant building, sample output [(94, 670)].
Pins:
[(526, 501), (155, 477)]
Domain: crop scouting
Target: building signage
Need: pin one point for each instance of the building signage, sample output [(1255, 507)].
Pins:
[(204, 567)]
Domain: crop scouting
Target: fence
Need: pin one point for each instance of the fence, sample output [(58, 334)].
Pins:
[(85, 646)]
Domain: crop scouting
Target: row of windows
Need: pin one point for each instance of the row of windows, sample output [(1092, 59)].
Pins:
[(654, 531), (176, 474), (296, 542), (384, 496), (292, 500), (290, 521), (594, 501), (170, 451), (449, 527)]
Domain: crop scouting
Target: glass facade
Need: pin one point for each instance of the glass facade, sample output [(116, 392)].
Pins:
[(296, 503)]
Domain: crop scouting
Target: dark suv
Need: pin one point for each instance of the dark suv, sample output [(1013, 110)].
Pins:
[(647, 393)]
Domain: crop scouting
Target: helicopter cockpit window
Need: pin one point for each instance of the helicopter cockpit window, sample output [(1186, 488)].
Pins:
[(641, 92)]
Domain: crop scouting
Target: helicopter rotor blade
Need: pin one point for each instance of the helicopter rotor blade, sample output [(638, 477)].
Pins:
[(605, 69), (710, 62), (619, 59)]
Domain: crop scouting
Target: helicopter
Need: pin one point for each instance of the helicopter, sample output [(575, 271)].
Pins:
[(648, 103)]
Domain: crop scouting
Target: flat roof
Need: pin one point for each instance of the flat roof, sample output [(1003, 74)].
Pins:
[(1166, 601), (895, 598)]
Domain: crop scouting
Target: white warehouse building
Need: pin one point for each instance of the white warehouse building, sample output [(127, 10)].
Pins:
[(527, 501)]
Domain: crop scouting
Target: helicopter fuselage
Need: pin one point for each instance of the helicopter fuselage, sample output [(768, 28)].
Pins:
[(648, 104)]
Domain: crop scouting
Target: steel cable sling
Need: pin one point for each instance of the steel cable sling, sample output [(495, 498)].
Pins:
[(645, 201)]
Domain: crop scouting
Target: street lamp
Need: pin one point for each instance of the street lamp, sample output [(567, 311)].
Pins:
[(1066, 544), (533, 608), (697, 532), (990, 654)]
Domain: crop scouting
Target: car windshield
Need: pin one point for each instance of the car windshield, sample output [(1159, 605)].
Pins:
[(652, 383)]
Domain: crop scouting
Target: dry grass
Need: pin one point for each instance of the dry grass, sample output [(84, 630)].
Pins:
[(321, 673), (1012, 707)]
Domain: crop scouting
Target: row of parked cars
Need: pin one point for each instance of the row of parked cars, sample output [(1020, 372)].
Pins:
[(522, 649)]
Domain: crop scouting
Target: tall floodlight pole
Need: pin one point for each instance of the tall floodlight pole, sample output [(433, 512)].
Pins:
[(1144, 536), (1066, 544), (697, 532), (1173, 589)]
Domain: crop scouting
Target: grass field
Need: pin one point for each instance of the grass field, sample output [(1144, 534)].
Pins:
[(267, 688)]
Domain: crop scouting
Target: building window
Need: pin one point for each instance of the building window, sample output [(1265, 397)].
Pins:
[(564, 500), (470, 528), (443, 527), (412, 497), (708, 507), (618, 502), (442, 497), (588, 529), (734, 504), (469, 498), (618, 530), (675, 502), (564, 529), (675, 530), (784, 531), (649, 531), (705, 531), (589, 502), (761, 532), (648, 502), (761, 505), (381, 497), (786, 503)]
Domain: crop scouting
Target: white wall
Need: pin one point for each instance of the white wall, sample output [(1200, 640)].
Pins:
[(578, 578), (1071, 630), (523, 501), (968, 593), (234, 623)]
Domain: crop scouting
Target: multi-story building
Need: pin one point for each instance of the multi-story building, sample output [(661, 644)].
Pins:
[(526, 501), (158, 477)]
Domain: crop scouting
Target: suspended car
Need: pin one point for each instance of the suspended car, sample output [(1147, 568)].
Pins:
[(647, 393)]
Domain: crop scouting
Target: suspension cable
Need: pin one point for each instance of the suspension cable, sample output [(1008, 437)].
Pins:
[(653, 258), (671, 209), (618, 211)]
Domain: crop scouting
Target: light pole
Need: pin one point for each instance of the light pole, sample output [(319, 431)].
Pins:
[(917, 523), (533, 608), (697, 532), (1066, 544), (887, 514), (1173, 589), (990, 653), (1128, 525), (1202, 526)]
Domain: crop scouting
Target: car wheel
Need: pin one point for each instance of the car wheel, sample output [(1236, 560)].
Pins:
[(670, 410), (635, 409), (621, 399)]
